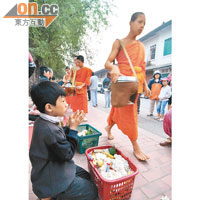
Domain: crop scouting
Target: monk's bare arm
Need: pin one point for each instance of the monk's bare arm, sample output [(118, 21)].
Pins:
[(113, 55), (114, 70)]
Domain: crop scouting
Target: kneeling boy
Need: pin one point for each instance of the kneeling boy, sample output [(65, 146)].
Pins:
[(54, 174)]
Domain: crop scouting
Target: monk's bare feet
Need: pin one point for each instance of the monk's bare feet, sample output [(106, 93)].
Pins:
[(108, 130), (138, 152), (140, 155)]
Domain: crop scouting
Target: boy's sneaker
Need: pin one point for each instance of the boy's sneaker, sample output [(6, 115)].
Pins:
[(150, 115), (157, 117)]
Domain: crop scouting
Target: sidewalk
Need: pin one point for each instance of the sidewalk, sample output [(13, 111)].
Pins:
[(154, 178)]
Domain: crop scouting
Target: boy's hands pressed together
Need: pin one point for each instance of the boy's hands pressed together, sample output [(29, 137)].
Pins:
[(75, 119)]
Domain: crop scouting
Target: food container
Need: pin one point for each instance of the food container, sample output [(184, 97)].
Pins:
[(120, 188), (85, 142)]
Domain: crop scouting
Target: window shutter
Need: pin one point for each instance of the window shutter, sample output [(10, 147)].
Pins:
[(167, 47)]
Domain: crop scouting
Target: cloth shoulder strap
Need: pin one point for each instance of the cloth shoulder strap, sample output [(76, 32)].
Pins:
[(127, 56), (74, 76)]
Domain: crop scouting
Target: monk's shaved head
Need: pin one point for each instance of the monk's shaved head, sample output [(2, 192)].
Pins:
[(135, 15)]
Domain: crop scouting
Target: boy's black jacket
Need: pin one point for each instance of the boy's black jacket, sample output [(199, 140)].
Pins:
[(51, 152)]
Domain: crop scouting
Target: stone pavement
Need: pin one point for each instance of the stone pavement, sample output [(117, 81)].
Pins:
[(154, 178)]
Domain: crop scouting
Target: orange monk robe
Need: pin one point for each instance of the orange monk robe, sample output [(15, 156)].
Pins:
[(68, 99), (79, 101), (126, 117)]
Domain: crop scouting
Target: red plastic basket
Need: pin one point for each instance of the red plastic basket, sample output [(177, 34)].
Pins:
[(120, 188)]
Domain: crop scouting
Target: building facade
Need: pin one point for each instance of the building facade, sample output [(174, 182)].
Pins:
[(158, 50)]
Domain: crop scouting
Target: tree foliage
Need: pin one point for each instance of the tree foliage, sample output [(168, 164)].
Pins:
[(56, 45)]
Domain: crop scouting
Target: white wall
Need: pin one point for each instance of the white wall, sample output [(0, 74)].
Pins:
[(158, 39)]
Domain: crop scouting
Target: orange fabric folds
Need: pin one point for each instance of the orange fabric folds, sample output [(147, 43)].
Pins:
[(155, 91), (126, 117), (79, 101), (79, 91)]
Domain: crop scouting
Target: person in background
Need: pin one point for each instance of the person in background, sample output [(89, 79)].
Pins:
[(138, 103), (51, 74), (60, 82), (32, 65), (33, 112), (107, 90), (82, 76), (66, 77), (93, 89), (170, 84), (155, 85), (164, 96), (167, 126), (126, 117), (44, 74), (88, 92)]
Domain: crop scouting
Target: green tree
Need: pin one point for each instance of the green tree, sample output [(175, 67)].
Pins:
[(56, 45)]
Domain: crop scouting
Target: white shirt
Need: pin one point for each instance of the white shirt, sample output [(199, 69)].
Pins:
[(165, 93), (51, 118), (93, 83)]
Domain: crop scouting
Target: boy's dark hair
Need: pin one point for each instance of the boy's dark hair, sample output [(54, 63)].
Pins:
[(42, 69), (81, 58), (46, 92), (135, 15)]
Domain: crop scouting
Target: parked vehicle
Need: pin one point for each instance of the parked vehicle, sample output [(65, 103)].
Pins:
[(100, 88)]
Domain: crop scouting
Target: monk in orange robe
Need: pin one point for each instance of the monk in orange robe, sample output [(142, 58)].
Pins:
[(82, 79), (126, 117)]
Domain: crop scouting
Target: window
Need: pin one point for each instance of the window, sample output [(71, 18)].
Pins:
[(167, 47), (152, 51), (165, 70)]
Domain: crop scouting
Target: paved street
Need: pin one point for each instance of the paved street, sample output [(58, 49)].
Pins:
[(144, 122)]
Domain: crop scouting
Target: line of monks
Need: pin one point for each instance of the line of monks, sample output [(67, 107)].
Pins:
[(80, 75)]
